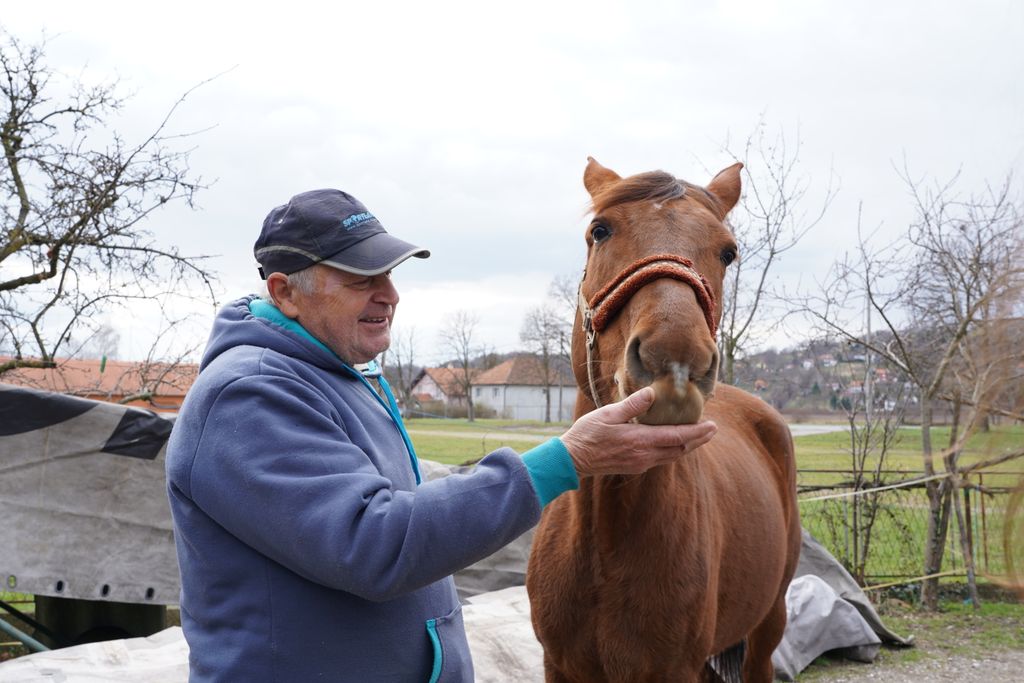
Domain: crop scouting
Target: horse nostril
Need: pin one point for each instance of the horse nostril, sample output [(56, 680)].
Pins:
[(635, 365), (706, 384)]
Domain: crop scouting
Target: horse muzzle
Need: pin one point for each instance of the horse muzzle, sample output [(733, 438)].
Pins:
[(680, 387)]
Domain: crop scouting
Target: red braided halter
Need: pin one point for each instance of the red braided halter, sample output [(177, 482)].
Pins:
[(614, 295), (610, 299)]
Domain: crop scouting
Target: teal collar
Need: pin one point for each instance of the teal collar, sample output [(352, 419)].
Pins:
[(261, 308)]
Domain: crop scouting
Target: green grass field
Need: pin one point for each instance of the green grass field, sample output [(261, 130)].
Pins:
[(832, 451), (485, 425), (456, 442), (817, 451), (896, 545)]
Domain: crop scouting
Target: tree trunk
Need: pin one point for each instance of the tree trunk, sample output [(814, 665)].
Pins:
[(935, 542), (547, 388), (938, 513), (728, 362), (952, 466), (965, 541)]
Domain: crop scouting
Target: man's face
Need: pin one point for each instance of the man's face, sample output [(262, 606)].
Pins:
[(349, 313)]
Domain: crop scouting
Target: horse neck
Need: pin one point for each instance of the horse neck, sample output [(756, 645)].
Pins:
[(610, 500), (629, 495)]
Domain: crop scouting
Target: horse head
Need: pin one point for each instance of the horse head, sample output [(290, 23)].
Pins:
[(657, 251)]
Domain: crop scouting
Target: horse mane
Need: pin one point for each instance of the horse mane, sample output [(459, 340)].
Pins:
[(656, 186)]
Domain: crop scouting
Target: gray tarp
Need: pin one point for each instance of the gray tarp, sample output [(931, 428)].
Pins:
[(816, 560), (83, 499), (819, 621)]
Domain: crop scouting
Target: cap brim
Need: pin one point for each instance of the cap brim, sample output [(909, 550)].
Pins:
[(375, 255)]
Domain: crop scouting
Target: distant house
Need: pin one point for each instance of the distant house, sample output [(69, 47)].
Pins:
[(443, 385), (156, 386), (855, 388), (517, 390)]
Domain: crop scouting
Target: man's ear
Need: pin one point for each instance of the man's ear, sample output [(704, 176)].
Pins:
[(283, 294)]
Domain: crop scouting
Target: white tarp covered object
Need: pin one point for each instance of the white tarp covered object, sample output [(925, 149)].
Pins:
[(160, 658), (82, 495), (498, 624), (500, 638), (83, 499), (819, 621)]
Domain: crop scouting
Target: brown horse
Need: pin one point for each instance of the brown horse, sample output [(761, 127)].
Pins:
[(671, 574)]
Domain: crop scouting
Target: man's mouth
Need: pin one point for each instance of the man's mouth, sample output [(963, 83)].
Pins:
[(373, 321)]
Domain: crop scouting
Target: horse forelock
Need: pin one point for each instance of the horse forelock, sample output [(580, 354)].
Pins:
[(653, 186)]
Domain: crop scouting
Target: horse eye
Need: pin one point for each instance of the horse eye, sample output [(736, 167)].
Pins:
[(600, 232), (728, 255)]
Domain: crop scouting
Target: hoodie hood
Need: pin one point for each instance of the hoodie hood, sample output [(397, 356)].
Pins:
[(237, 325)]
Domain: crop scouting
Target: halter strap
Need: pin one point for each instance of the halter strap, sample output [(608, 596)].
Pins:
[(610, 299)]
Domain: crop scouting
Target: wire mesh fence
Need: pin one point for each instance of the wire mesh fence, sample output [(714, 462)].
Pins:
[(878, 532)]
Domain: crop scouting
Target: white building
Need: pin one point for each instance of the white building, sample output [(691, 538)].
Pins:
[(518, 390), (440, 384)]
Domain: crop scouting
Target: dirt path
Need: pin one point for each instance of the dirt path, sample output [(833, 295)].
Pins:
[(999, 667)]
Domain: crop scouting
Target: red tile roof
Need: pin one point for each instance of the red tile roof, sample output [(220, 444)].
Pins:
[(112, 381), (524, 370), (449, 379)]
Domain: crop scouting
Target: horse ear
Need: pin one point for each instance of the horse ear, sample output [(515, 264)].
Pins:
[(597, 176), (726, 187)]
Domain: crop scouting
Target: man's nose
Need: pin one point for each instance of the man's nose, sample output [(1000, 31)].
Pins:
[(386, 293)]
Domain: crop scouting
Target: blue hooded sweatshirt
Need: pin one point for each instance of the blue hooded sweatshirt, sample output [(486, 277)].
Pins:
[(308, 548)]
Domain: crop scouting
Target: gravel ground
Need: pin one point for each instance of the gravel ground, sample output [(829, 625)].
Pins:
[(1000, 667)]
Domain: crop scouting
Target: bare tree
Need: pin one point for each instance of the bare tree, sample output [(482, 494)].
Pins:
[(399, 363), (74, 196), (934, 289), (166, 365), (102, 343), (458, 339), (874, 419), (545, 333), (769, 221), (563, 292)]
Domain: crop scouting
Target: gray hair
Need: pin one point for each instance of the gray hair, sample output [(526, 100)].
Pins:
[(303, 280)]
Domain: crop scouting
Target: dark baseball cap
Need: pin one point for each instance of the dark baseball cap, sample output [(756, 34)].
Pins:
[(330, 227)]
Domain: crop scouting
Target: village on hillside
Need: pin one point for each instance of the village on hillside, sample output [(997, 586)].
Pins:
[(816, 380)]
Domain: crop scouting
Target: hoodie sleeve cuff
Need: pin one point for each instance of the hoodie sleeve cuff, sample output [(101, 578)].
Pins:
[(551, 470)]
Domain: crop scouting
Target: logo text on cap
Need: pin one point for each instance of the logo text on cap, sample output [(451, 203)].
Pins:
[(356, 220)]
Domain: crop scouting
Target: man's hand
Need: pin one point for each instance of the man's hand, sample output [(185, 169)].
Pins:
[(606, 442)]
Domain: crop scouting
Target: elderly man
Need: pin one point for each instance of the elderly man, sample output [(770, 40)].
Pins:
[(309, 547)]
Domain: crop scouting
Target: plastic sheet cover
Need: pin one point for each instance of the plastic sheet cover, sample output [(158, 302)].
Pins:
[(83, 499)]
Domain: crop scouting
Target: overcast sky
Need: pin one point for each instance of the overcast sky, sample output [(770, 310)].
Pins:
[(465, 126)]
